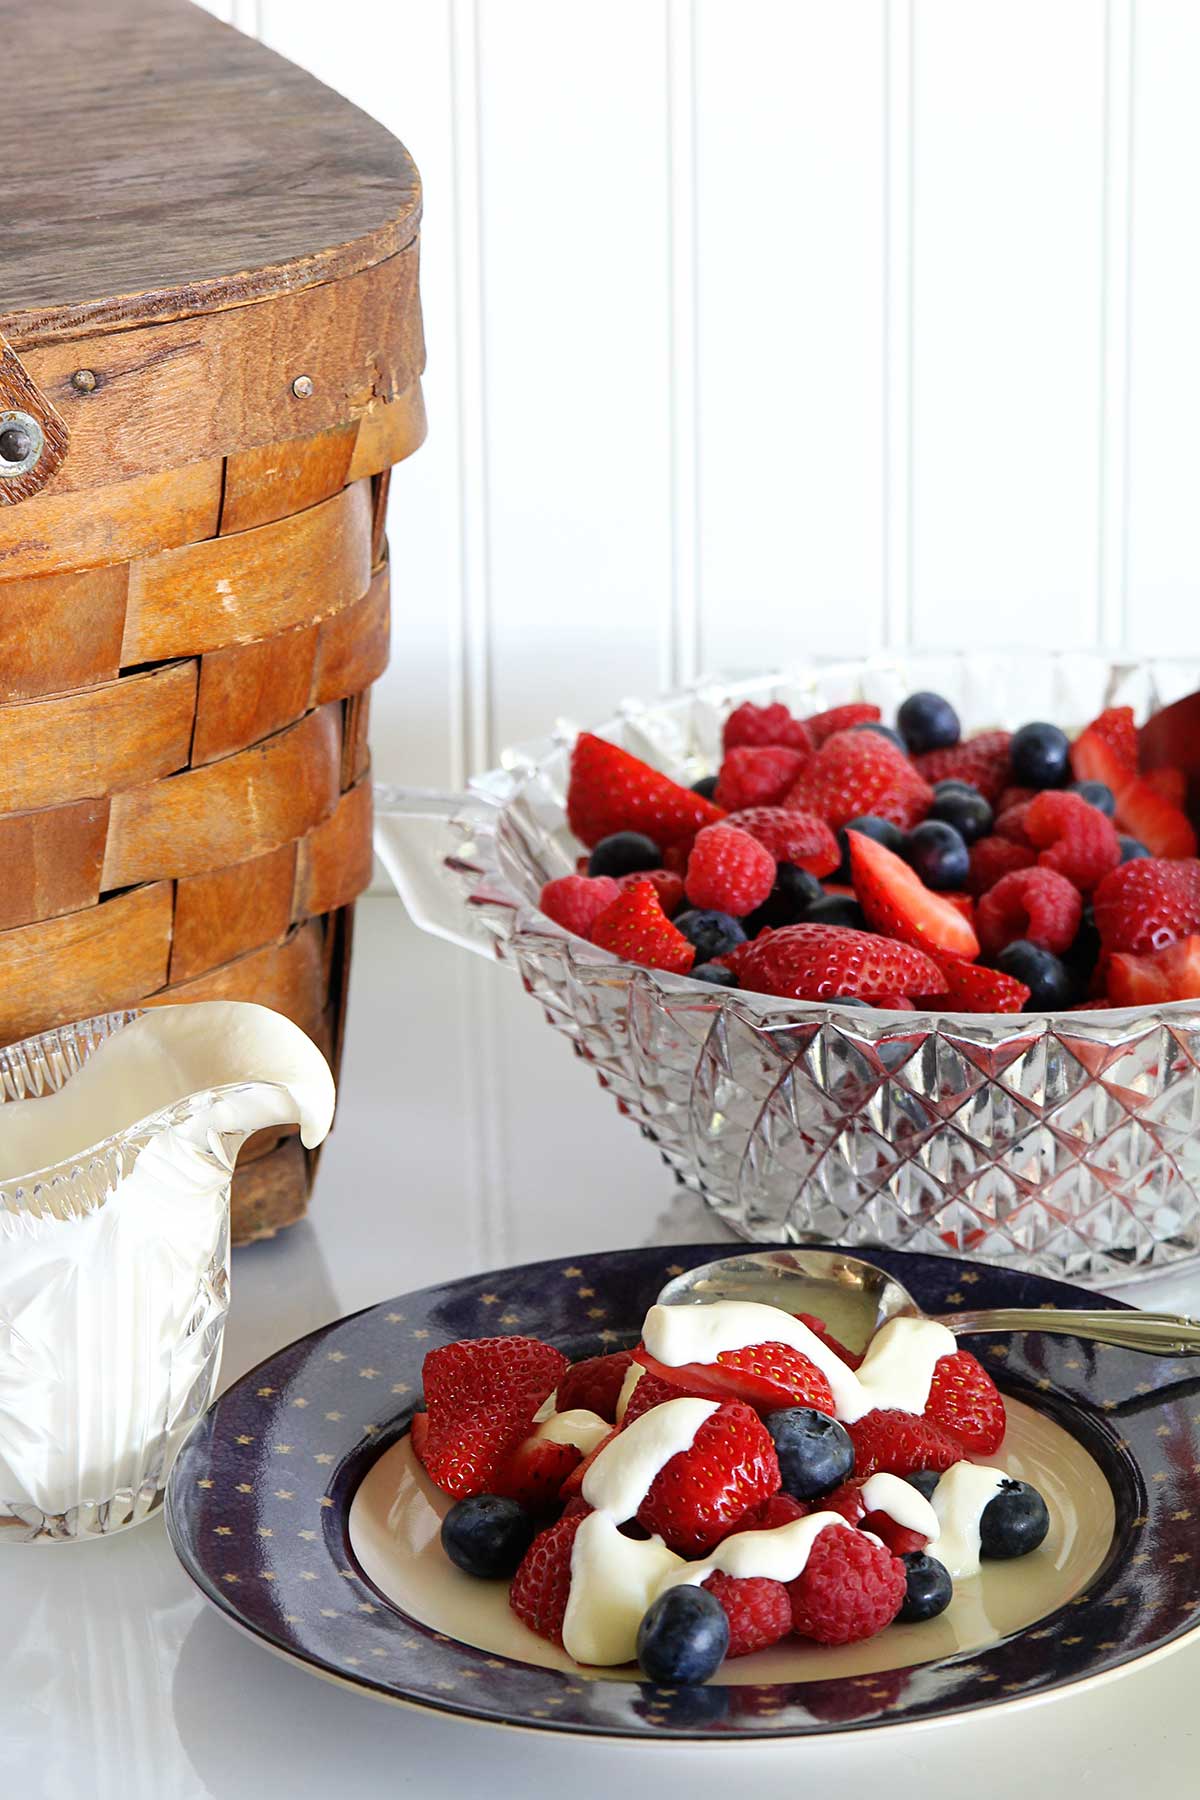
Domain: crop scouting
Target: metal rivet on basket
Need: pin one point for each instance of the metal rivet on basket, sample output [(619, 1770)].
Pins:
[(84, 381), (302, 387), (15, 444), (21, 444)]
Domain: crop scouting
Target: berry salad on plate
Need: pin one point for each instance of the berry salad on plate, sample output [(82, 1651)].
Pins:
[(737, 1479), (839, 858)]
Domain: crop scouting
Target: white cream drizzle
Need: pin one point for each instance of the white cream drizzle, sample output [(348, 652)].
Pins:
[(621, 1476), (904, 1504), (959, 1501), (895, 1373), (577, 1426), (781, 1553), (633, 1375), (613, 1581)]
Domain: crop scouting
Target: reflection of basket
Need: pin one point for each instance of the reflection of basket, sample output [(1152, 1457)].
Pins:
[(193, 575)]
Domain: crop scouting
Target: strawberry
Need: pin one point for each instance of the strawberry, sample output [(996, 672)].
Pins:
[(791, 837), (966, 1404), (653, 1390), (1146, 815), (818, 1327), (594, 1384), (897, 902), (576, 901), (481, 1396), (541, 1586), (841, 718), (766, 1376), (848, 1501), (850, 1588), (757, 775), (900, 1443), (636, 928), (759, 1610), (982, 761), (858, 772), (1170, 782), (1170, 974), (418, 1431), (1073, 837), (821, 962), (993, 857), (1038, 904), (667, 885), (975, 989), (610, 790), (1108, 750), (535, 1472), (699, 1492), (749, 724), (780, 1509), (572, 1486), (1147, 904), (729, 871)]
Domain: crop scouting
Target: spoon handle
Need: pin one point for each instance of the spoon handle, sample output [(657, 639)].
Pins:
[(1161, 1334)]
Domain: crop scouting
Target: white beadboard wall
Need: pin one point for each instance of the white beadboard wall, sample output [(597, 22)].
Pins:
[(766, 327)]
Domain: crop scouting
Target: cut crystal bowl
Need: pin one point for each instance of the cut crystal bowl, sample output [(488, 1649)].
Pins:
[(1063, 1143)]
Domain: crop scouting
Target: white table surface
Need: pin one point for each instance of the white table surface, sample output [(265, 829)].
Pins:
[(468, 1137)]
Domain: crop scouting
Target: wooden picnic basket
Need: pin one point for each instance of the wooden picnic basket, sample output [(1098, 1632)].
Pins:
[(210, 356)]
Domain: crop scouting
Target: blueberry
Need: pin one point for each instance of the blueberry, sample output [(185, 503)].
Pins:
[(1084, 953), (1039, 756), (714, 975), (1046, 977), (487, 1535), (885, 731), (882, 830), (954, 803), (706, 787), (623, 853), (683, 1636), (837, 909), (815, 1453), (938, 854), (1014, 1522), (924, 1480), (1131, 850), (929, 1591), (788, 901), (1096, 794), (849, 1000), (711, 933), (927, 722)]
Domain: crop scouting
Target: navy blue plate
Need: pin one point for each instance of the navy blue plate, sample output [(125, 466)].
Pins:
[(257, 1508)]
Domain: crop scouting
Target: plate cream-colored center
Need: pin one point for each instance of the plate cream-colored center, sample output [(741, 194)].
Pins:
[(396, 1516)]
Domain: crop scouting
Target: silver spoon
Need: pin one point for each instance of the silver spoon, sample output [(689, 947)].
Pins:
[(855, 1298)]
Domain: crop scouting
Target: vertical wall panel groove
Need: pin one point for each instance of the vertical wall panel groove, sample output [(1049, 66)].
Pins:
[(1112, 574), (683, 649), (895, 627)]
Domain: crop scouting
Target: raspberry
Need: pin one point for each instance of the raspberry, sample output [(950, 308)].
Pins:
[(759, 1610), (749, 724), (1170, 974), (729, 871), (1038, 904), (1073, 837), (636, 928), (819, 962), (780, 1509), (900, 1443), (594, 1384), (666, 884), (757, 775), (576, 901), (859, 772), (842, 718), (535, 1472), (982, 761), (850, 1588), (818, 1327), (1014, 796), (791, 837), (966, 1403), (1011, 824), (1147, 904), (848, 1501), (993, 857), (610, 790), (541, 1586)]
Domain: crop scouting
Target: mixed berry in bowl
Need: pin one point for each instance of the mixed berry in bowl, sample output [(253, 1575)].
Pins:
[(837, 858)]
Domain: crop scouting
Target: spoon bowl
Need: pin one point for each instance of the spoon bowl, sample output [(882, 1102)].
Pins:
[(854, 1298)]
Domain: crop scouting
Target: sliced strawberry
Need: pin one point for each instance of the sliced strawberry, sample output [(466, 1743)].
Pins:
[(848, 1501), (418, 1431), (541, 1586), (749, 724), (901, 1443), (966, 1403), (975, 989), (696, 1496), (636, 928), (823, 962), (842, 718), (897, 902), (595, 1384), (1147, 904), (818, 1327), (572, 1485), (859, 772), (1146, 815), (653, 1390), (666, 884), (535, 1472), (1108, 750), (610, 790), (481, 1395), (1170, 782), (982, 761), (766, 1376), (1170, 974)]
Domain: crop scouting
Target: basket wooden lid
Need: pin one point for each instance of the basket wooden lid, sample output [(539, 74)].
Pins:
[(175, 167)]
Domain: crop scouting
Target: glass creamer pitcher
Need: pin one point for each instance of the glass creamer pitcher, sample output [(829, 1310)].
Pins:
[(118, 1138)]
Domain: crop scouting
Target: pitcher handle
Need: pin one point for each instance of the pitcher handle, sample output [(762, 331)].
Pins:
[(415, 844)]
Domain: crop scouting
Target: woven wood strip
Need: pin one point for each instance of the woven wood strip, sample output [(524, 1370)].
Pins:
[(61, 631), (51, 861), (59, 531), (75, 746), (353, 648), (249, 691), (270, 1192), (333, 864), (108, 956), (286, 976), (230, 811), (276, 479), (223, 913), (389, 433)]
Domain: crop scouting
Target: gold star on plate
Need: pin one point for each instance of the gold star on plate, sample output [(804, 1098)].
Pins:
[(585, 1293), (324, 1500), (223, 1530), (674, 1269), (243, 1439), (308, 1575), (1107, 1405), (244, 1487), (510, 1318), (998, 1350), (328, 1612), (1161, 1475), (1162, 1431), (263, 1393), (308, 1536), (378, 1651), (335, 1356), (284, 1494), (334, 1416), (1043, 1384), (299, 1402), (322, 1456), (352, 1662), (1143, 1556), (268, 1575), (349, 1576), (395, 1318), (608, 1337), (401, 1387), (447, 1686), (1121, 1599), (282, 1449), (597, 1312), (230, 1577), (955, 1299), (420, 1333), (1012, 1687), (365, 1606), (369, 1430), (989, 1678), (1143, 1387), (573, 1274), (493, 1662), (1140, 1521), (204, 1482), (265, 1531), (490, 1299), (1074, 1363), (969, 1277), (1183, 1513), (291, 1618), (367, 1374)]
